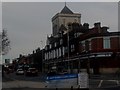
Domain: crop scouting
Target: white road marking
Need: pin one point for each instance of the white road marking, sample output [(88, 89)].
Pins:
[(100, 83), (117, 82)]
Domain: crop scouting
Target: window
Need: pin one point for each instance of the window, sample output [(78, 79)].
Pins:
[(75, 35), (56, 52), (55, 44), (69, 26), (106, 42), (49, 55), (59, 51), (53, 53), (64, 21), (61, 41), (45, 47), (72, 48), (66, 49), (50, 46), (45, 56), (83, 46), (89, 44), (63, 51)]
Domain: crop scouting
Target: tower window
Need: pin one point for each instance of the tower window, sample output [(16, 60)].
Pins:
[(63, 21)]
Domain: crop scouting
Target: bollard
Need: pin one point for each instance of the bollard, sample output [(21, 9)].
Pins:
[(71, 87), (78, 87)]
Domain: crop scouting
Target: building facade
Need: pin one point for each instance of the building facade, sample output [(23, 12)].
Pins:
[(75, 47)]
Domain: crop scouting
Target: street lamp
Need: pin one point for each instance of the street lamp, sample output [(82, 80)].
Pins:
[(88, 62), (69, 28), (79, 63), (42, 55)]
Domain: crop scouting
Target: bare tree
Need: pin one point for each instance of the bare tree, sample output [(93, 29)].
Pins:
[(4, 42)]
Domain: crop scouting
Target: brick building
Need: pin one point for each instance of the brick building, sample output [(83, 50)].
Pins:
[(74, 46)]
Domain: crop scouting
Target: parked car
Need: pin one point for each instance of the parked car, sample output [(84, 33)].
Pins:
[(10, 70), (63, 72), (31, 72), (51, 73), (20, 72)]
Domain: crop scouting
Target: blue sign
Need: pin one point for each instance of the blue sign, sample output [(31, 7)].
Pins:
[(59, 77)]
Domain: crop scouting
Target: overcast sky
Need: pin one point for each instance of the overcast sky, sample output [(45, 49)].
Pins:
[(29, 23)]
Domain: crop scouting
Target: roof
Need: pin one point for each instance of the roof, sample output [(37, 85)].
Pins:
[(66, 10)]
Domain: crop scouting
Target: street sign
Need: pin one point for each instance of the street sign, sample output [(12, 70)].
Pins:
[(83, 80), (59, 77), (62, 81)]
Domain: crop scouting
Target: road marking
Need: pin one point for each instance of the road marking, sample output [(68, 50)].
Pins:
[(117, 82), (112, 80), (100, 83)]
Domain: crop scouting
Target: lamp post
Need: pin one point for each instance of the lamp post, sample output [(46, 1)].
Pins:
[(88, 63), (42, 56), (79, 63), (68, 48)]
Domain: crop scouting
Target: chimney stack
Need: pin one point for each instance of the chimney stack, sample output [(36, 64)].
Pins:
[(86, 25), (97, 25)]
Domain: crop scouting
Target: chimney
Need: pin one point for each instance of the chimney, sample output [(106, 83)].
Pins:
[(104, 29), (86, 25), (97, 25)]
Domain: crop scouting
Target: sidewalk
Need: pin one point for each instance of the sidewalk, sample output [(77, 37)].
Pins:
[(6, 78)]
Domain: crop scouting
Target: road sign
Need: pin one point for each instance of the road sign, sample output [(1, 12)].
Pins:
[(62, 81)]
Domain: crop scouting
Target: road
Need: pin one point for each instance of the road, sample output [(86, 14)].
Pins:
[(21, 81), (104, 81)]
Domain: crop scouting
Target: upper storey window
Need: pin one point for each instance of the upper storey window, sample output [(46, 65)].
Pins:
[(61, 41), (106, 42)]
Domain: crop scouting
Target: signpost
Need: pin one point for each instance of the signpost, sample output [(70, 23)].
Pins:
[(83, 80)]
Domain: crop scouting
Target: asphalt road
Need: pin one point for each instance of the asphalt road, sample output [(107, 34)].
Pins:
[(36, 83), (20, 81)]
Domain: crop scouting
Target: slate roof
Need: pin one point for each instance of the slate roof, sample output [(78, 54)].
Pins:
[(66, 10)]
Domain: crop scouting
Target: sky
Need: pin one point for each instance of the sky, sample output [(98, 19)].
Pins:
[(60, 0), (29, 23)]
